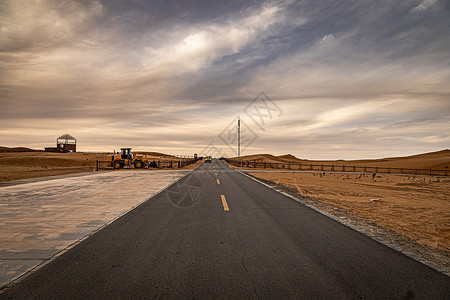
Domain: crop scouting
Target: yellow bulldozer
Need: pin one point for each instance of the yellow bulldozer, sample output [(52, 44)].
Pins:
[(126, 158)]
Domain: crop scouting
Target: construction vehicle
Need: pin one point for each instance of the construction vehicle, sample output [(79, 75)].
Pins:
[(208, 159), (126, 158)]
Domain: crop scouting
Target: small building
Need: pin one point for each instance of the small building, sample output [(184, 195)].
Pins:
[(65, 143)]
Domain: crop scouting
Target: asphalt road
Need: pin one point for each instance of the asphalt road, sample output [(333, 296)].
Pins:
[(219, 234)]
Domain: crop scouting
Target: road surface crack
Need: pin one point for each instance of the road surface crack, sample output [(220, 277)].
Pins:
[(250, 275)]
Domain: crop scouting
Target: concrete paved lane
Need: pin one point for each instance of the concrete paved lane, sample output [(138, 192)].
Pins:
[(236, 239), (41, 217)]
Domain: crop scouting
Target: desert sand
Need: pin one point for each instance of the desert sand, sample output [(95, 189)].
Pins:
[(18, 164), (439, 160)]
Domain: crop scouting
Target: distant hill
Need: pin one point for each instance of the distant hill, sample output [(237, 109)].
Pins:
[(289, 158), (260, 157), (272, 158), (155, 154), (17, 149), (433, 160)]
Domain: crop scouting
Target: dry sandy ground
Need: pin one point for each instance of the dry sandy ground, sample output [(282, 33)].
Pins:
[(417, 207), (21, 165)]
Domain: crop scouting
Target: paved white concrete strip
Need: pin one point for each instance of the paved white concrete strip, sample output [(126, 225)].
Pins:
[(39, 219)]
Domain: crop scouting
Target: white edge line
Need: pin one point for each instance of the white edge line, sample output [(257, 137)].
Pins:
[(22, 276), (336, 172), (371, 235)]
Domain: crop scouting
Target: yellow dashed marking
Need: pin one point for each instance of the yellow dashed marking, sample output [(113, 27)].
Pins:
[(218, 182), (224, 203)]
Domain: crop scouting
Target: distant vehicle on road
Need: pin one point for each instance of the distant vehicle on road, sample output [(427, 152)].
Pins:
[(208, 159)]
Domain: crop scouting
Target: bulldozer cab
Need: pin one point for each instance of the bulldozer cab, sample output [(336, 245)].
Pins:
[(125, 153)]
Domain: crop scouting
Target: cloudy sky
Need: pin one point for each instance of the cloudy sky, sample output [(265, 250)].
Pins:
[(341, 79)]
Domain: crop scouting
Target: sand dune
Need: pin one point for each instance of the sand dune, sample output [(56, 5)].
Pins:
[(434, 160), (288, 157), (157, 154), (18, 149), (260, 157)]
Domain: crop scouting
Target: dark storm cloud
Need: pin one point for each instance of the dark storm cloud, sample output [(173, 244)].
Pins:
[(361, 36)]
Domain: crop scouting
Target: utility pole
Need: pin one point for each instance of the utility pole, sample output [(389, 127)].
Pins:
[(239, 136)]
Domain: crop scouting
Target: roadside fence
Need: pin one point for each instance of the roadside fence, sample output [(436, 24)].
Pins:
[(334, 168), (155, 164)]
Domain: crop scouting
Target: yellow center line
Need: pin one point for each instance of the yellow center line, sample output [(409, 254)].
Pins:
[(224, 203), (215, 174), (218, 182)]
